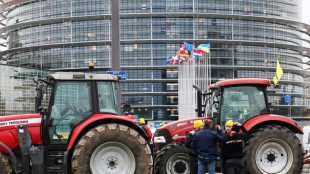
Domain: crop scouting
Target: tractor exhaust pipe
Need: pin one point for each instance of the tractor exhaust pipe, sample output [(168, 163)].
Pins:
[(199, 101)]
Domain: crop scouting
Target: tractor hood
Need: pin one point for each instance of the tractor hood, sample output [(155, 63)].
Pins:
[(8, 130)]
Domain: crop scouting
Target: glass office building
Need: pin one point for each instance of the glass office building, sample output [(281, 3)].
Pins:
[(18, 90), (246, 37)]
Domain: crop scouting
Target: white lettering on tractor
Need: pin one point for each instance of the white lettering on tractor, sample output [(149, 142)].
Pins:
[(19, 122)]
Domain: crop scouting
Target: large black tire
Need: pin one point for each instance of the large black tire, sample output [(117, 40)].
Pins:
[(174, 158), (5, 166), (113, 149), (273, 149)]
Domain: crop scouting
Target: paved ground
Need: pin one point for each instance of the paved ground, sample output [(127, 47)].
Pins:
[(306, 169)]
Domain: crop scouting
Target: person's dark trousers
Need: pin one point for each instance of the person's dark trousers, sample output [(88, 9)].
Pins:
[(224, 166), (194, 164), (235, 166)]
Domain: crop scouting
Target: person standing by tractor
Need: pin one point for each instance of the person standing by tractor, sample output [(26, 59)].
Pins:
[(232, 148), (198, 125), (205, 145), (145, 128), (228, 126)]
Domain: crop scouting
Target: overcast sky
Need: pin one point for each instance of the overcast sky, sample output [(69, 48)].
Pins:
[(306, 11)]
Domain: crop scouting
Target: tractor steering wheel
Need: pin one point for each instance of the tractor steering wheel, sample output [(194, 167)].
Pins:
[(67, 108), (71, 107)]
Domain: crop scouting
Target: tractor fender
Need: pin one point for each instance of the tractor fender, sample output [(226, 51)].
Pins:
[(98, 119), (265, 119)]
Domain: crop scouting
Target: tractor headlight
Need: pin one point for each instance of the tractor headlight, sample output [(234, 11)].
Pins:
[(159, 139)]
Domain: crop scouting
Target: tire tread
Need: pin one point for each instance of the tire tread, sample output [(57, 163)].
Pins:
[(259, 134), (101, 129), (5, 166)]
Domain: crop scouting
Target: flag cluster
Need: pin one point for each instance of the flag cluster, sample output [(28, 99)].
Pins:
[(188, 52)]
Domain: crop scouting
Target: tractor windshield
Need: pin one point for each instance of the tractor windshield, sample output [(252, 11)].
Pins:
[(240, 103), (72, 103)]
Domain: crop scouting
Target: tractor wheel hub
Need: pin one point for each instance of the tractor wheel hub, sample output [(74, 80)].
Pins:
[(180, 167)]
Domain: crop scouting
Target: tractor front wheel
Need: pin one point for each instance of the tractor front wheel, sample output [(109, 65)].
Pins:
[(5, 166), (113, 149), (273, 149), (173, 159)]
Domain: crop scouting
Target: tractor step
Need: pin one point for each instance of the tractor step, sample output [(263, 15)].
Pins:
[(56, 162)]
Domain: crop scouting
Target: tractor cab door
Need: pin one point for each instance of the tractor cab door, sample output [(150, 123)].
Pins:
[(71, 103), (240, 103)]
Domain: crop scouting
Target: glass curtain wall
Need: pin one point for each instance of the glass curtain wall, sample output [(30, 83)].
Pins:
[(245, 35), (18, 90)]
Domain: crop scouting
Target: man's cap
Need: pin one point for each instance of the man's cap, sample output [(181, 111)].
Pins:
[(198, 124), (229, 123), (142, 121)]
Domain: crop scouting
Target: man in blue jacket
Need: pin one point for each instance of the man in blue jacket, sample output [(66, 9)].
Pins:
[(205, 145)]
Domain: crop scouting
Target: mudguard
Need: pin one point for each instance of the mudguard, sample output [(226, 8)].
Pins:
[(273, 119), (103, 118)]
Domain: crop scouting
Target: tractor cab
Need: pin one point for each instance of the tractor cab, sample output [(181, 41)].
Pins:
[(74, 97), (238, 100), (272, 146)]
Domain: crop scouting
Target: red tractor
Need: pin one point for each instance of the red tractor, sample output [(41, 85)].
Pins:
[(79, 132), (272, 146)]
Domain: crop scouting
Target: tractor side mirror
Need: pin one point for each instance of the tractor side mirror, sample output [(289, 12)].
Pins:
[(44, 92), (127, 110), (38, 98), (40, 90), (217, 91)]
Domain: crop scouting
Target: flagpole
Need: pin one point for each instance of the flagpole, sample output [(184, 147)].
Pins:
[(209, 64), (290, 107)]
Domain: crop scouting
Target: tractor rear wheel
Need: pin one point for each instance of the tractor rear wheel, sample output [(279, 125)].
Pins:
[(113, 149), (173, 159), (273, 149), (5, 166)]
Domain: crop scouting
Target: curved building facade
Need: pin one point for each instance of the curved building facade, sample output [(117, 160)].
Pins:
[(246, 37)]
